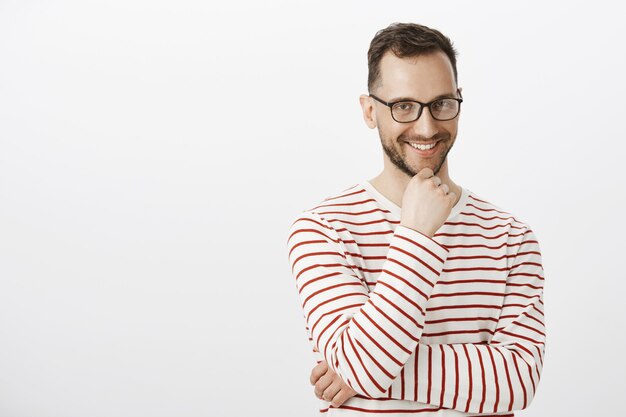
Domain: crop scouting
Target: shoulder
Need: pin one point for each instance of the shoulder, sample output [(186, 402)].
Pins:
[(482, 210), (321, 208), (338, 200), (327, 215), (335, 204)]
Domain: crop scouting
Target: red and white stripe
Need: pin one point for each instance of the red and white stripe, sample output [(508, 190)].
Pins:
[(417, 324)]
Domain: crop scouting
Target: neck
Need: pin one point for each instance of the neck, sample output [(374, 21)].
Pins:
[(392, 182)]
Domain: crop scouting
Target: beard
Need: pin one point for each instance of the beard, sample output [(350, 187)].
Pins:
[(397, 154)]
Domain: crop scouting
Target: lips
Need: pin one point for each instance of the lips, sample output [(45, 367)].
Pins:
[(427, 152), (423, 143)]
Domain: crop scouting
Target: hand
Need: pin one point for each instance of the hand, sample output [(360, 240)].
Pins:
[(329, 386), (426, 203)]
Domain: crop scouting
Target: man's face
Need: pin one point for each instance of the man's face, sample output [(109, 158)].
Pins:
[(423, 78)]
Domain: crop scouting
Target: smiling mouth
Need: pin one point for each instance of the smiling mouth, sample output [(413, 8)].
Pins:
[(423, 146)]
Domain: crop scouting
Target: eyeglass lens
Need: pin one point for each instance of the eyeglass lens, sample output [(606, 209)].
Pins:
[(407, 111)]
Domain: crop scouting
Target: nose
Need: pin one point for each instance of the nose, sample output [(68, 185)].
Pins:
[(425, 126)]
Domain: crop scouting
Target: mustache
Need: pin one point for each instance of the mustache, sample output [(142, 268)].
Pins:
[(437, 137)]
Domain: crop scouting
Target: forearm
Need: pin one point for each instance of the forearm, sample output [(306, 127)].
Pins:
[(373, 342), (472, 378), (498, 374), (367, 337)]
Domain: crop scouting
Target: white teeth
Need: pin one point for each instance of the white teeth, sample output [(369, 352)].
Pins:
[(423, 147)]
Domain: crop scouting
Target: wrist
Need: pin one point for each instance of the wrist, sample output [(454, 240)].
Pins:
[(421, 229)]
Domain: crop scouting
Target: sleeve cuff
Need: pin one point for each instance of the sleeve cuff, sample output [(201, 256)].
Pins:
[(410, 239)]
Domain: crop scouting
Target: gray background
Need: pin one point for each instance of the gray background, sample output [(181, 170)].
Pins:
[(153, 155)]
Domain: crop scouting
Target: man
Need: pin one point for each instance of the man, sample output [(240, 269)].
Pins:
[(418, 295)]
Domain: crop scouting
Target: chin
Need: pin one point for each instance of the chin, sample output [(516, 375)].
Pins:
[(423, 164)]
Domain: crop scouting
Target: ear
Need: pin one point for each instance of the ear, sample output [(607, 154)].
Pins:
[(369, 111)]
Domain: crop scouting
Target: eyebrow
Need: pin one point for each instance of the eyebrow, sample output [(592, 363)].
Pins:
[(447, 95)]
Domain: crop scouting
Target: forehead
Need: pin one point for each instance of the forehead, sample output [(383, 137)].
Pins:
[(422, 77)]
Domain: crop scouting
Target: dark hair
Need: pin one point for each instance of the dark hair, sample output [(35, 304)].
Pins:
[(406, 40)]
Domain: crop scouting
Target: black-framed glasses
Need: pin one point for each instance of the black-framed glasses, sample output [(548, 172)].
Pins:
[(407, 111)]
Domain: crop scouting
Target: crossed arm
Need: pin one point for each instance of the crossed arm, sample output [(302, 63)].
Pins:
[(366, 338)]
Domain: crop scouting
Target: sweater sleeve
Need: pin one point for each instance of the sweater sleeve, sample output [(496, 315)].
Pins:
[(365, 337), (502, 375)]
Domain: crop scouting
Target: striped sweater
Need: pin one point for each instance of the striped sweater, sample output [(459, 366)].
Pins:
[(450, 325)]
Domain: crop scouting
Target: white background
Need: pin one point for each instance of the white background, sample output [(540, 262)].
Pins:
[(154, 153)]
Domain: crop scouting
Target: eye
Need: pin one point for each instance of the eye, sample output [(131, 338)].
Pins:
[(443, 104), (405, 106)]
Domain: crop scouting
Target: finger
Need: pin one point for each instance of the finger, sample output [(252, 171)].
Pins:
[(445, 188), (323, 383), (425, 173), (452, 196), (319, 370), (342, 396), (321, 386), (436, 180), (331, 391)]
